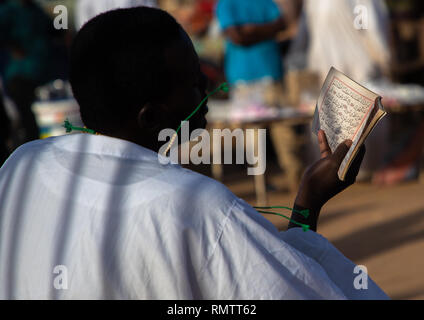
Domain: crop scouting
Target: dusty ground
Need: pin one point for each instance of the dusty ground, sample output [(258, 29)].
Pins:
[(381, 228)]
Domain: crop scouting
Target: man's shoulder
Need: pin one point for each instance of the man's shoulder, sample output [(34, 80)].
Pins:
[(203, 187), (32, 150), (29, 148)]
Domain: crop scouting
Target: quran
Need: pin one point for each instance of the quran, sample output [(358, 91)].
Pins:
[(346, 110)]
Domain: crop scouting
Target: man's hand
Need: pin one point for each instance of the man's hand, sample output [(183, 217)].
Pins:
[(249, 34), (320, 182), (251, 28)]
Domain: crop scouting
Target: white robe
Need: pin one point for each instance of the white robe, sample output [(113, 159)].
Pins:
[(336, 37), (87, 9), (94, 217)]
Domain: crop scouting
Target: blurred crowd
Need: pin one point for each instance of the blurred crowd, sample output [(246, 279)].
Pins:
[(282, 49)]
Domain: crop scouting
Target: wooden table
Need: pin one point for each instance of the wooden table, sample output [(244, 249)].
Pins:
[(219, 117)]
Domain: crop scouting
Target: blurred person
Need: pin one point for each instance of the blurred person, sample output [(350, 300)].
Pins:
[(335, 37), (407, 49), (183, 11), (193, 15), (253, 64), (126, 226), (204, 14), (87, 9), (252, 53), (402, 163), (407, 36), (197, 18), (26, 32), (292, 10)]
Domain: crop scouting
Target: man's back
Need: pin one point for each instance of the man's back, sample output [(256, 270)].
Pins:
[(94, 217), (106, 210)]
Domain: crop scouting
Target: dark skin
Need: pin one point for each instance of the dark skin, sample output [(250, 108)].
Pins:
[(319, 183), (250, 34), (188, 88)]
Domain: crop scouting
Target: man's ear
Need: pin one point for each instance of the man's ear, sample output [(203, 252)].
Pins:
[(149, 117)]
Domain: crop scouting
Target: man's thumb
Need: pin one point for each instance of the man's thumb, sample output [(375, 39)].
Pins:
[(341, 151)]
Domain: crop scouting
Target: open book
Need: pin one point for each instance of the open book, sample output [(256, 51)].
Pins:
[(346, 110)]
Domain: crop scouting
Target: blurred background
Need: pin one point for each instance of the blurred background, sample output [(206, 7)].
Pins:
[(275, 54)]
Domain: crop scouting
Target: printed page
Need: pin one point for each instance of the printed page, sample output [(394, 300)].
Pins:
[(342, 109)]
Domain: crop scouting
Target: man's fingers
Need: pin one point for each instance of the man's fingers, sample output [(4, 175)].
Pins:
[(324, 148), (341, 151)]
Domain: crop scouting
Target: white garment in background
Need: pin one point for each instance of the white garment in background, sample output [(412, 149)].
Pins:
[(118, 224), (87, 9), (335, 41)]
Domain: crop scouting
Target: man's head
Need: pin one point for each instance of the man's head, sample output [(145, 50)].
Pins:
[(134, 72)]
